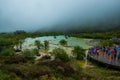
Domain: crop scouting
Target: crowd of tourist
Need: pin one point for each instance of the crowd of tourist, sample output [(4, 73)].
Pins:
[(111, 53)]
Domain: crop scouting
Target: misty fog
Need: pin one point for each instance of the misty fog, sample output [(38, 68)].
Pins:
[(47, 15)]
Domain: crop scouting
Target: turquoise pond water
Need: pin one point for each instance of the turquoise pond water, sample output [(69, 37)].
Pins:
[(71, 41)]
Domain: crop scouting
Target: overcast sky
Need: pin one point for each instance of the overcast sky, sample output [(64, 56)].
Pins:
[(34, 15)]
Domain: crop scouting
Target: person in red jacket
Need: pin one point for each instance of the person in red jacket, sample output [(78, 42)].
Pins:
[(112, 58)]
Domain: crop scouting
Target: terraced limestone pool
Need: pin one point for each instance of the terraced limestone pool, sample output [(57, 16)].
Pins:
[(54, 43), (71, 41)]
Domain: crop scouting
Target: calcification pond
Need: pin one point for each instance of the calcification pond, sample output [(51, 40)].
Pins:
[(54, 42)]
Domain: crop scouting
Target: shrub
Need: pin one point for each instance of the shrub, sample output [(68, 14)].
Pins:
[(15, 59), (35, 51), (60, 54), (6, 76), (38, 44), (55, 37), (7, 52), (79, 52), (63, 42), (106, 43), (66, 37), (29, 54), (46, 44)]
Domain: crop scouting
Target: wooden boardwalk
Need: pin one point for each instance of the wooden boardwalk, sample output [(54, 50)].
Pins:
[(105, 61)]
